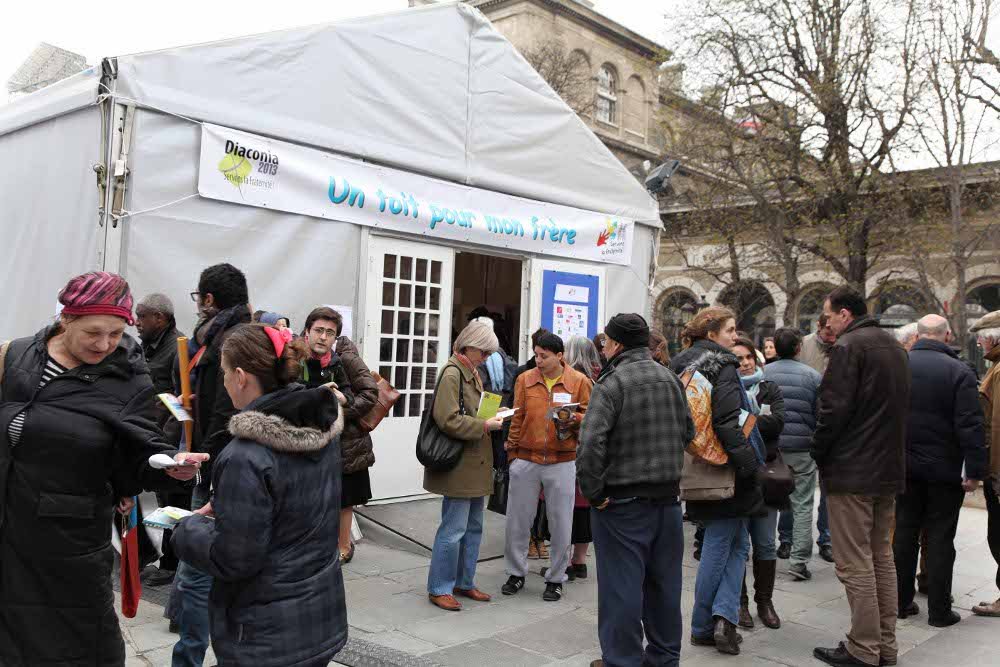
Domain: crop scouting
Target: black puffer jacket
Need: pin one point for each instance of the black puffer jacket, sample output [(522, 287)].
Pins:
[(278, 593), (945, 426), (720, 367), (770, 425), (356, 444), (86, 440)]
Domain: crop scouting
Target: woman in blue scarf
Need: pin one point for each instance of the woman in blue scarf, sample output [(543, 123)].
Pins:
[(766, 403)]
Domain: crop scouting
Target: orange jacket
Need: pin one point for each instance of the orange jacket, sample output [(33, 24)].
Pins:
[(532, 431)]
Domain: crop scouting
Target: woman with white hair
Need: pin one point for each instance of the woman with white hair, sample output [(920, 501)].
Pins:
[(464, 487), (987, 330)]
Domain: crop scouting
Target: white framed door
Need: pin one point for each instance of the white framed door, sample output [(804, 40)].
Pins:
[(571, 271), (407, 314)]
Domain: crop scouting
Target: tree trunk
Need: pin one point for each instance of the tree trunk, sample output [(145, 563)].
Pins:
[(958, 258)]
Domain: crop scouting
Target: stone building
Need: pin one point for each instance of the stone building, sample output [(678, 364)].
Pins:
[(636, 107)]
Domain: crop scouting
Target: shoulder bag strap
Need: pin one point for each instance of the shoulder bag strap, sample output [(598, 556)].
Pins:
[(3, 357)]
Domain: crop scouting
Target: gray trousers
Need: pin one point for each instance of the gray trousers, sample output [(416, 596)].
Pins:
[(802, 504), (527, 479)]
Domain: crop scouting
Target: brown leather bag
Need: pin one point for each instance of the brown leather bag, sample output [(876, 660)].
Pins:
[(701, 481), (387, 397)]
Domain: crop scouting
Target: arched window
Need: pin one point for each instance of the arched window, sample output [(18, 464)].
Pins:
[(897, 303), (677, 307), (607, 95), (754, 308), (635, 107), (811, 306)]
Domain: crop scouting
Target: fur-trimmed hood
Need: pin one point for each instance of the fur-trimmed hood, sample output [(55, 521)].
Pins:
[(294, 420), (706, 357)]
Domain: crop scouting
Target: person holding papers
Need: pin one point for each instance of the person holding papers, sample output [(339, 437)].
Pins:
[(550, 401)]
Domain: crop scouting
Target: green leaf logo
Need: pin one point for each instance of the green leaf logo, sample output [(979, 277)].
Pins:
[(235, 169)]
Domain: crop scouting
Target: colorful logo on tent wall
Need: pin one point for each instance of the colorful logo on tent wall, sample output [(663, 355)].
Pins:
[(249, 167), (611, 240)]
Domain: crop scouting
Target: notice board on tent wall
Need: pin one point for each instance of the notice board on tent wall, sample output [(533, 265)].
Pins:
[(570, 303)]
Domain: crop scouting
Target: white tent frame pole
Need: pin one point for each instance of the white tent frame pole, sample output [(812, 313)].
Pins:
[(122, 122)]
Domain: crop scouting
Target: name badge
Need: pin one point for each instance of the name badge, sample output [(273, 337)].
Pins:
[(560, 397)]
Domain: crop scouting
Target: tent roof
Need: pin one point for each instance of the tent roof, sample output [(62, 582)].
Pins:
[(435, 90)]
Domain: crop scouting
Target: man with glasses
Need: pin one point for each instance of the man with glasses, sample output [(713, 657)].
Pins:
[(223, 302)]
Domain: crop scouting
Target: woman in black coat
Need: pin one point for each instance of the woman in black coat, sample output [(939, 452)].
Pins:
[(278, 592), (77, 428), (709, 337), (767, 404)]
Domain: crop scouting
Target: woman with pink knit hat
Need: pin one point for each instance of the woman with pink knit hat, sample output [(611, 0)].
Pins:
[(76, 432)]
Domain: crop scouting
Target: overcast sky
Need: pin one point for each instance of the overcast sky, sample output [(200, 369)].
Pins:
[(141, 25)]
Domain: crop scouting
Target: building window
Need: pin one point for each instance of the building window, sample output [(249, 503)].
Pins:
[(607, 97)]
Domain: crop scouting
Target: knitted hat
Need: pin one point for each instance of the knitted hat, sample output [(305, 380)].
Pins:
[(629, 329), (97, 293)]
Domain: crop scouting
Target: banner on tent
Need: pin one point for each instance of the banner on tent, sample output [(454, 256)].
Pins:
[(249, 169)]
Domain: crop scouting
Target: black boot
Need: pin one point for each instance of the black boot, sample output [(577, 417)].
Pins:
[(746, 620), (763, 586), (726, 637)]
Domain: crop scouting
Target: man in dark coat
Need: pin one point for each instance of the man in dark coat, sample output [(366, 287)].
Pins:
[(859, 447), (944, 432), (223, 303), (629, 464), (157, 327)]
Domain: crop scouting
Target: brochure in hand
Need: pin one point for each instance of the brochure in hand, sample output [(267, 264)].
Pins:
[(166, 517), (489, 405)]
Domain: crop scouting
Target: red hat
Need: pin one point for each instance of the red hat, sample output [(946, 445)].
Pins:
[(97, 293)]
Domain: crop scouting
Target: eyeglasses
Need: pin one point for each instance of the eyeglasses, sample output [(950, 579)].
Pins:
[(319, 331), (194, 296)]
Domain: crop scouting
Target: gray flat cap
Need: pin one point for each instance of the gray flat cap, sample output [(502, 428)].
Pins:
[(987, 321)]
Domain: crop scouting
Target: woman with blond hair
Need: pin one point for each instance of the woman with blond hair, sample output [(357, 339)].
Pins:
[(464, 487), (709, 339)]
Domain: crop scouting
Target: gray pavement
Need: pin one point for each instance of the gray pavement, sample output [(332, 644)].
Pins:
[(388, 610)]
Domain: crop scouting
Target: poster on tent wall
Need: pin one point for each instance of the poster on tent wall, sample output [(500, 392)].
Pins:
[(256, 171)]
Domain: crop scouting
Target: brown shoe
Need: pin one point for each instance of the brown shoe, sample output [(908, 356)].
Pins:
[(473, 594), (987, 609), (543, 550), (532, 550), (446, 602)]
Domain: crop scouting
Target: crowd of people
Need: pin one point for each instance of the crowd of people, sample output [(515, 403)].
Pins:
[(601, 442)]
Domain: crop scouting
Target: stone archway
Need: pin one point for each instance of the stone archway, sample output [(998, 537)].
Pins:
[(810, 306), (674, 308), (898, 302), (754, 307)]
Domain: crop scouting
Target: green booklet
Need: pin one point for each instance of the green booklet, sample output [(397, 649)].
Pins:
[(489, 405)]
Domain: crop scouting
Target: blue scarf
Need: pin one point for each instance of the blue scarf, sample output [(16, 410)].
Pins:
[(494, 367), (751, 383)]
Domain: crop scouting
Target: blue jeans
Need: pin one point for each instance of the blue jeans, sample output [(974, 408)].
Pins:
[(639, 547), (786, 521), (191, 597), (762, 536), (720, 574), (456, 546)]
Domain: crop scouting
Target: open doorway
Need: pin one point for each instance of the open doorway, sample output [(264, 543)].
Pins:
[(493, 284)]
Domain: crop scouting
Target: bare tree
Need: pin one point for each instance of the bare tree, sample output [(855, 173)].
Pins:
[(817, 95), (977, 51), (953, 112), (567, 72)]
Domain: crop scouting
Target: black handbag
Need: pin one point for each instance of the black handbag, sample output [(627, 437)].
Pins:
[(776, 481), (498, 499), (437, 451)]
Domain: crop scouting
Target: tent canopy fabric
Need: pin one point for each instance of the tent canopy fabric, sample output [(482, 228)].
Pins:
[(434, 90)]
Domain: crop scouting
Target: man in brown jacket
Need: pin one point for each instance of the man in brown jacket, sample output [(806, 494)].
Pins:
[(550, 400), (987, 330), (859, 447)]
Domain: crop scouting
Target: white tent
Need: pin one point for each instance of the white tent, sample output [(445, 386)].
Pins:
[(432, 93)]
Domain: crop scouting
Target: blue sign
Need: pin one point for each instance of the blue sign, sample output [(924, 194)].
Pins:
[(570, 303)]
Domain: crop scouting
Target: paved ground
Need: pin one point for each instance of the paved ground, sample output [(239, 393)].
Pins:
[(388, 607)]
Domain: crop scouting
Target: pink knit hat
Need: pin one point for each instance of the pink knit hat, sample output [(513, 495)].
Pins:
[(97, 293)]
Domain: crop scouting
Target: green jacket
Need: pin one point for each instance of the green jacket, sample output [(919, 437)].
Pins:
[(473, 476)]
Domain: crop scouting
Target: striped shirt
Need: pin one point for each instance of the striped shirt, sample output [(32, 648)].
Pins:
[(53, 369)]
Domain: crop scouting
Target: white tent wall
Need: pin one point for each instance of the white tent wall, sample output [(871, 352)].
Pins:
[(49, 226), (292, 262), (628, 286)]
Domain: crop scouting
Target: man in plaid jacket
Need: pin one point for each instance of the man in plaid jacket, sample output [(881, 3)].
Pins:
[(629, 467)]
